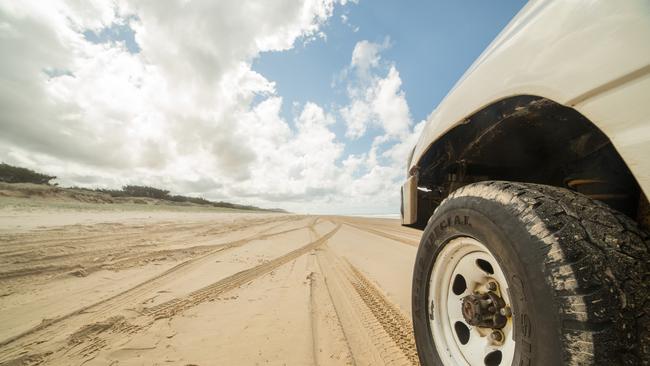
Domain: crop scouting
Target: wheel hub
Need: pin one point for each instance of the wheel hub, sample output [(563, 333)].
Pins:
[(484, 310), (470, 316)]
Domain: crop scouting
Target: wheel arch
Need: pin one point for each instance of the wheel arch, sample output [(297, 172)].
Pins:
[(532, 139)]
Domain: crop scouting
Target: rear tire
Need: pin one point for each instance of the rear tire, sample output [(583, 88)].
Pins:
[(576, 275)]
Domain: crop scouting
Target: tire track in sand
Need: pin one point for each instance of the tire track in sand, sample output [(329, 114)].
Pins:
[(126, 296), (210, 292), (377, 331), (398, 327), (85, 256), (322, 307), (384, 234)]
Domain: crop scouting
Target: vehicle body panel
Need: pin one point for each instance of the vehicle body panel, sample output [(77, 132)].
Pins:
[(593, 56), (409, 206)]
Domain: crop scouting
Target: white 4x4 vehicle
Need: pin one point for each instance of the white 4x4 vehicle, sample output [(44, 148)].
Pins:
[(532, 178)]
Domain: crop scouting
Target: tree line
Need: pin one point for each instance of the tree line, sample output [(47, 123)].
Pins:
[(13, 174)]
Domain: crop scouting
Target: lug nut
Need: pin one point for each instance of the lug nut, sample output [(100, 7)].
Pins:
[(492, 286), (496, 337), (506, 311)]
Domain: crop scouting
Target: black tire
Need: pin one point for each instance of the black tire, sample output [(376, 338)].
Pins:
[(577, 270)]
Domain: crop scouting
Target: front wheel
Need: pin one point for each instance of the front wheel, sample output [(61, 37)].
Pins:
[(523, 274)]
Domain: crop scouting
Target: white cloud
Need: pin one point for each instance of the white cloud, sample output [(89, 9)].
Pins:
[(365, 56), (375, 100), (357, 115), (181, 113), (180, 100), (389, 103)]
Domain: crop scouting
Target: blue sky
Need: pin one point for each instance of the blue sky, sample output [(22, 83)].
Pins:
[(308, 105), (432, 43)]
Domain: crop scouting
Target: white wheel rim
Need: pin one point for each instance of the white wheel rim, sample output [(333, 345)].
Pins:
[(459, 257)]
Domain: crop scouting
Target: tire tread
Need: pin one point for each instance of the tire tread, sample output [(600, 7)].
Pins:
[(603, 252)]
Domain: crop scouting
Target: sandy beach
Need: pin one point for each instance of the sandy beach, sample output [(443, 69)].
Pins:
[(204, 288)]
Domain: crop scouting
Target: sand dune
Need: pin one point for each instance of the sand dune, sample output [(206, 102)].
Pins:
[(207, 289)]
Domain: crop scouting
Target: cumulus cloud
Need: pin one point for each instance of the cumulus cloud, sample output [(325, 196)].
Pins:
[(177, 105), (389, 103), (365, 56), (375, 100), (181, 98)]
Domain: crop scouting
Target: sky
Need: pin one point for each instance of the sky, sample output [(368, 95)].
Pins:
[(312, 106)]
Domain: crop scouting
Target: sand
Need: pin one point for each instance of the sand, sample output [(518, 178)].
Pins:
[(131, 287)]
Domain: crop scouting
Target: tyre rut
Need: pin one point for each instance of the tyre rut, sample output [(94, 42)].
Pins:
[(127, 254), (385, 235), (175, 306), (124, 297), (397, 326), (377, 331)]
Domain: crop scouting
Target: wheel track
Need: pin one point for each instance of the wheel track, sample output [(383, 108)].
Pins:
[(122, 298), (25, 243), (92, 231), (128, 254), (400, 231), (377, 331), (398, 327), (350, 358), (175, 306), (384, 234)]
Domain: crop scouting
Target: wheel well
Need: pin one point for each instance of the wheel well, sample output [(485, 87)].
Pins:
[(535, 140)]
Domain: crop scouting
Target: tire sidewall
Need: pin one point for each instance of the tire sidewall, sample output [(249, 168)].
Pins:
[(536, 327)]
